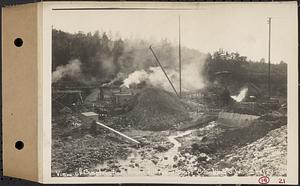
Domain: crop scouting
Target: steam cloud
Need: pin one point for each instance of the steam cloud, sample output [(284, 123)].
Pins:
[(72, 69), (136, 78), (143, 67), (191, 78), (241, 95), (130, 61)]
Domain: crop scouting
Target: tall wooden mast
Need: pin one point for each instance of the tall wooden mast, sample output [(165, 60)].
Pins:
[(179, 53)]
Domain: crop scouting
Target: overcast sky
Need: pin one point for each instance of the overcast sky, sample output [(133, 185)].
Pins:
[(232, 27)]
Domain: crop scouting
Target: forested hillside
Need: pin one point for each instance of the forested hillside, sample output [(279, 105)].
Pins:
[(103, 58), (244, 71)]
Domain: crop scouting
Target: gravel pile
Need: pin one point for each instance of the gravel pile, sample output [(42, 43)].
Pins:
[(157, 109)]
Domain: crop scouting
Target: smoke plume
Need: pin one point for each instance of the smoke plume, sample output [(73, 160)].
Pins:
[(241, 95), (104, 59), (136, 78), (191, 78), (72, 70)]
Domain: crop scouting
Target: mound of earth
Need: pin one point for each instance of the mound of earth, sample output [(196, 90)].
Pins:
[(157, 109), (266, 156), (256, 150), (229, 137)]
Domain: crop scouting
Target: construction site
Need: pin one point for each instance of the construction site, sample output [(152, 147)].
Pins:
[(110, 130), (116, 128)]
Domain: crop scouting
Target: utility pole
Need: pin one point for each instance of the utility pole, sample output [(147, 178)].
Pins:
[(179, 52), (269, 58)]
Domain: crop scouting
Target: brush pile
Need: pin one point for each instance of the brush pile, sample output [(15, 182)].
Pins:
[(157, 109)]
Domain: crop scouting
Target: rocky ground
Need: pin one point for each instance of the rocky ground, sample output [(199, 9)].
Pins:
[(195, 152), (246, 152), (176, 140), (77, 149), (266, 156)]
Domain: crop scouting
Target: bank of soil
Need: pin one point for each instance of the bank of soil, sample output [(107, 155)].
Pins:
[(259, 149), (266, 156)]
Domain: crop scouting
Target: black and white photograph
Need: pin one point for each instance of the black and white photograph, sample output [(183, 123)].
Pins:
[(171, 92)]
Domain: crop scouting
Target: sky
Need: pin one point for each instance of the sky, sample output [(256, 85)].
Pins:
[(233, 27)]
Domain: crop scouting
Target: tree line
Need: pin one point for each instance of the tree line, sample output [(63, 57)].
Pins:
[(242, 71), (104, 58)]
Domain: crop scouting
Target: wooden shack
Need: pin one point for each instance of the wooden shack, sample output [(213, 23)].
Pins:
[(89, 117)]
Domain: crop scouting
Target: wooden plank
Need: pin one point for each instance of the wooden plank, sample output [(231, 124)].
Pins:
[(117, 132)]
